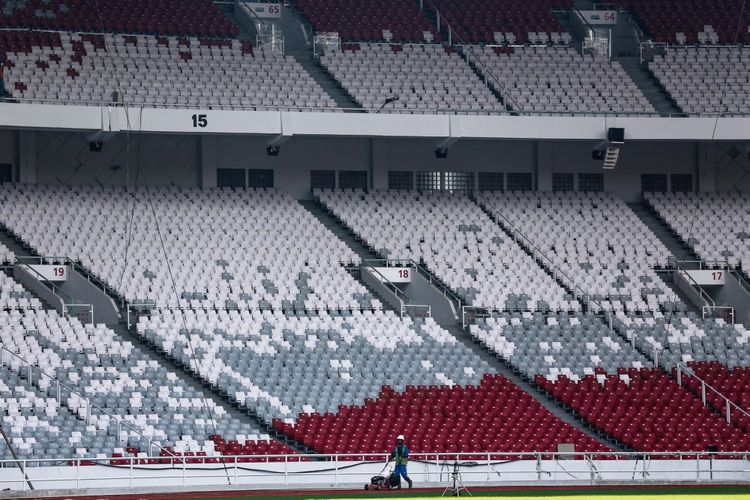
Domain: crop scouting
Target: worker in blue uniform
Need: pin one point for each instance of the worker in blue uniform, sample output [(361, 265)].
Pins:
[(400, 455)]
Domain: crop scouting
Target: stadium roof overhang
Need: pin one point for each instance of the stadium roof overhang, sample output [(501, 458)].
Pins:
[(286, 124)]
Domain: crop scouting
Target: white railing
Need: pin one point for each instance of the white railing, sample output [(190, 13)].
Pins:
[(660, 357), (449, 294), (133, 309), (68, 304), (472, 57), (406, 307), (431, 469)]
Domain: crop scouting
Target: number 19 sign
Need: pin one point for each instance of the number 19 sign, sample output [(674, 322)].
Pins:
[(45, 272)]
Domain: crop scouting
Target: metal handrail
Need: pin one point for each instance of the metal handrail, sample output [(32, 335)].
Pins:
[(585, 21), (67, 300), (485, 70), (658, 355), (62, 294), (368, 264), (405, 300), (94, 280), (691, 281), (537, 252), (372, 110), (431, 278), (89, 405)]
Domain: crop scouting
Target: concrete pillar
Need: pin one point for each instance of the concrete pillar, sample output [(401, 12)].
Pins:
[(207, 160), (380, 163), (705, 153), (27, 156), (543, 165)]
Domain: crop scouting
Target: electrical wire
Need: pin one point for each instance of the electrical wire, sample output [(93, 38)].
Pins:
[(188, 341), (718, 113), (130, 221), (731, 52)]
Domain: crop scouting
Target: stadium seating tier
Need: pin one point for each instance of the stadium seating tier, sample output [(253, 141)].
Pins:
[(168, 17)]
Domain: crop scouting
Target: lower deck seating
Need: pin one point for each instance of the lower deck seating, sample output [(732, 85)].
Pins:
[(609, 384), (293, 263), (600, 245), (13, 296), (688, 337), (457, 241), (7, 257), (649, 412), (283, 365), (104, 382), (492, 416), (733, 383)]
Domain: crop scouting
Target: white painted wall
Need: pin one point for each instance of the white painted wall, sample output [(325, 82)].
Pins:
[(355, 474)]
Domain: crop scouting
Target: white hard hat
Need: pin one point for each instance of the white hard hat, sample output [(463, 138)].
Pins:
[(400, 437)]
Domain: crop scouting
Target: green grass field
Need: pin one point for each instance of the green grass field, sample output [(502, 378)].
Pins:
[(613, 493)]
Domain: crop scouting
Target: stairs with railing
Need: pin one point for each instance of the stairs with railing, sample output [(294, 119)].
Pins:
[(661, 358)]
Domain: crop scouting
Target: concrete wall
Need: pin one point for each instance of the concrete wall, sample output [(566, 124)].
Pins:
[(191, 160), (64, 158)]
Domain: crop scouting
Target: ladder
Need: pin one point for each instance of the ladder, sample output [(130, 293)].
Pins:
[(611, 156)]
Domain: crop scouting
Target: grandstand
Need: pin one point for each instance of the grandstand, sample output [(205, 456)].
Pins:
[(245, 245)]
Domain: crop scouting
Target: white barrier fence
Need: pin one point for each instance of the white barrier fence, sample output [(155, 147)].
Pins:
[(275, 471)]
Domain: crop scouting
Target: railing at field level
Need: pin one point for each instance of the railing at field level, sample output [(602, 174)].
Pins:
[(346, 469)]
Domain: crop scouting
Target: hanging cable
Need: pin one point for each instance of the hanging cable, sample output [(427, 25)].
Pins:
[(188, 341), (719, 113), (130, 219)]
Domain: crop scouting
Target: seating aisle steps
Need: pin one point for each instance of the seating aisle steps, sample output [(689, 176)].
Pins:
[(546, 400), (676, 247)]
